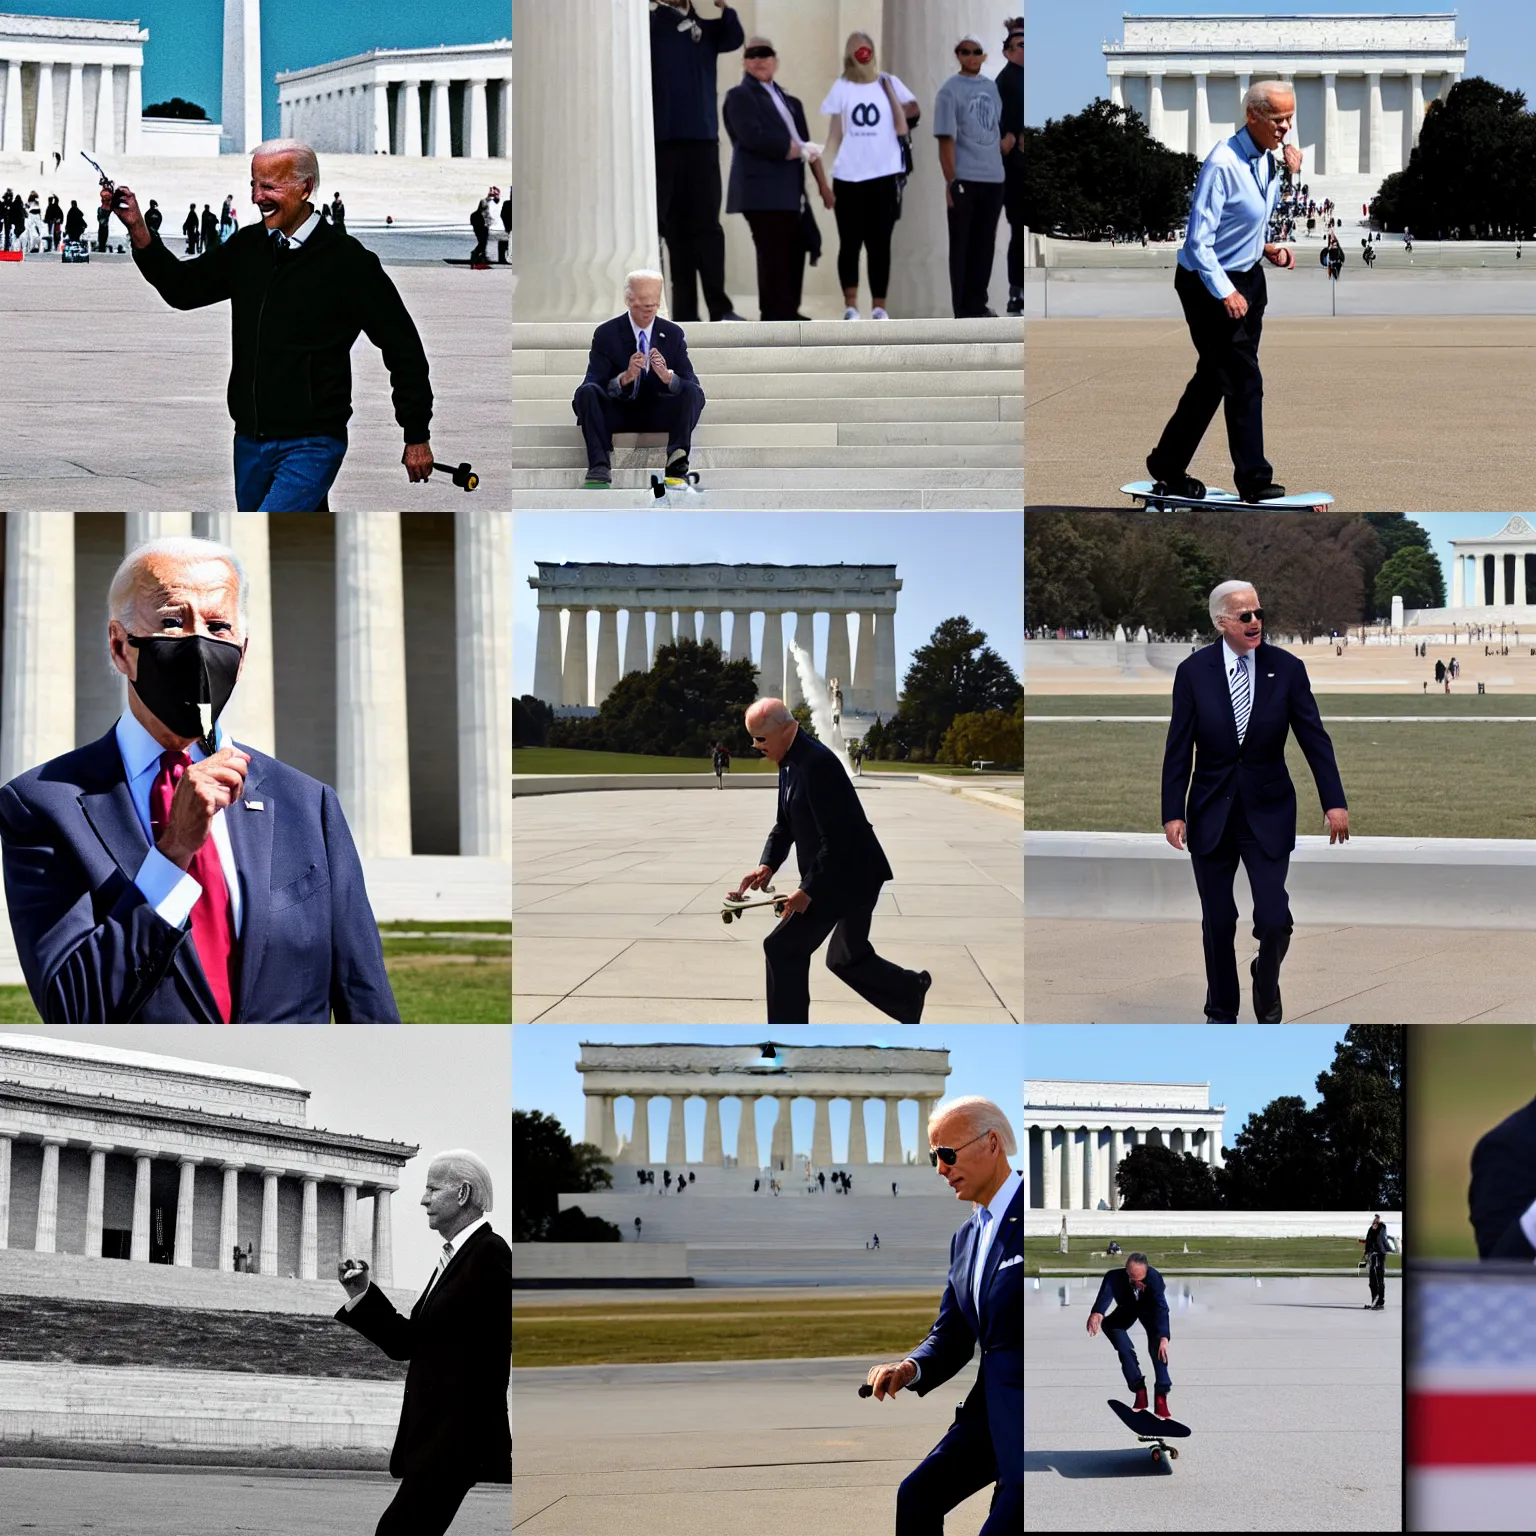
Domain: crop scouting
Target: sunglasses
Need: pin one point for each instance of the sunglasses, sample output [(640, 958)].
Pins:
[(947, 1155), (1249, 617), (970, 53), (760, 53)]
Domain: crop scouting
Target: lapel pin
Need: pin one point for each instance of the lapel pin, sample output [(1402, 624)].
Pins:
[(254, 805)]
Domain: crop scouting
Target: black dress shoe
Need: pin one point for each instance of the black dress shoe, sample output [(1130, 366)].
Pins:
[(1180, 485), (927, 982), (1270, 492), (1270, 1015)]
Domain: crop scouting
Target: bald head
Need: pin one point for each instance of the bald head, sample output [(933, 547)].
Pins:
[(772, 727)]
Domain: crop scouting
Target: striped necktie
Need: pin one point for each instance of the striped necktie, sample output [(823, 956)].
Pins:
[(978, 1259), (640, 348), (1242, 697), (442, 1264)]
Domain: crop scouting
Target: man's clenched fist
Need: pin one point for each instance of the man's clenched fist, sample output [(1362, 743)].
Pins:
[(889, 1379), (204, 790)]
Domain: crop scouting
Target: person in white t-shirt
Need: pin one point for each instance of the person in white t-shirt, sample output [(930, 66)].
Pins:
[(870, 112)]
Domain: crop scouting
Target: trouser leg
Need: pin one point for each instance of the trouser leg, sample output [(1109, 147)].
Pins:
[(422, 1507), (891, 988), (788, 950), (595, 412), (1119, 1336), (981, 244), (1214, 874), (962, 1462), (1272, 924)]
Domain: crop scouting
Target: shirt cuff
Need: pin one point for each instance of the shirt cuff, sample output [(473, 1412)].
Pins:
[(352, 1301), (1528, 1225), (917, 1366), (168, 888)]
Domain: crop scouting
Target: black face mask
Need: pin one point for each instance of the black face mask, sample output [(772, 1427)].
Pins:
[(176, 674)]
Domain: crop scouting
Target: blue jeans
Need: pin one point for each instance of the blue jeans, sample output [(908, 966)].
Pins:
[(285, 474), (1119, 1334)]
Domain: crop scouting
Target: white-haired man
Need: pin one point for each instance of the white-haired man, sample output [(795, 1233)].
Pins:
[(969, 1142), (163, 874), (1220, 283), (1234, 704), (300, 292), (454, 1431), (639, 379)]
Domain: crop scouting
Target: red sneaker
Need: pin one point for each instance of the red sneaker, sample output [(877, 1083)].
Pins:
[(1162, 1407), (1140, 1405)]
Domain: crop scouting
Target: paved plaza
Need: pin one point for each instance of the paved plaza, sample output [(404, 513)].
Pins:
[(110, 398), (1292, 1391), (754, 1448), (617, 896)]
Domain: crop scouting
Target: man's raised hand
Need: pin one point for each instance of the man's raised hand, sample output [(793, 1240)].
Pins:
[(659, 367), (889, 1379), (1292, 159), (125, 205), (204, 790), (353, 1274), (635, 369)]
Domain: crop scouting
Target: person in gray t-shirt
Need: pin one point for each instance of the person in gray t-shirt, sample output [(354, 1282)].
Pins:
[(968, 114)]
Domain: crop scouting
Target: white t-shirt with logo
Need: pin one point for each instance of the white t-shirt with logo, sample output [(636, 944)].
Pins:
[(869, 147)]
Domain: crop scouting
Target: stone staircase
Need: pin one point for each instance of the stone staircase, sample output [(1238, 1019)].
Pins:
[(882, 414)]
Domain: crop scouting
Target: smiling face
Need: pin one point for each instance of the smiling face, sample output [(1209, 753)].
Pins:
[(280, 192), (1269, 123), (1242, 635)]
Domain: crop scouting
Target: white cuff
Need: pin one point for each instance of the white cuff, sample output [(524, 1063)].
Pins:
[(1528, 1225), (352, 1301), (168, 888), (917, 1366)]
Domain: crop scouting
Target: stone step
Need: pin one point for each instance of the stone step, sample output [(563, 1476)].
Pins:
[(766, 384), (906, 454), (711, 362), (773, 434), (557, 412), (955, 481), (577, 335), (893, 497)]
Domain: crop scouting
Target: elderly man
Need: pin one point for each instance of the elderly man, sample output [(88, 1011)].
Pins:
[(163, 874), (454, 1431), (639, 379), (1137, 1295), (970, 1141), (299, 291), (842, 868), (1234, 704), (1220, 283)]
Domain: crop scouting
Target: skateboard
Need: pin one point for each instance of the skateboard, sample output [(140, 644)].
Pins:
[(461, 474), (730, 910), (1149, 1428), (661, 486), (1217, 500)]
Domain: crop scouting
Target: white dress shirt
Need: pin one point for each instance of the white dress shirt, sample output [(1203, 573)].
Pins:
[(456, 1243), (167, 887), (302, 233)]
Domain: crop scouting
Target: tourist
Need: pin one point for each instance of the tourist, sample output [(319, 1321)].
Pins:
[(869, 145), (153, 217), (480, 223), (637, 1229), (74, 223), (239, 1259), (103, 228), (190, 227), (639, 379), (1375, 1245), (893, 1189), (33, 237), (53, 218), (1010, 87), (454, 1430), (770, 148), (720, 761), (821, 1182), (967, 116), (504, 239), (685, 120), (251, 1266), (227, 218), (1220, 283), (338, 213), (840, 879), (290, 387), (209, 231)]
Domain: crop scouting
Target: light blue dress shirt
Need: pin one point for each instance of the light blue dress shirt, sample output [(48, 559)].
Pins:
[(1230, 659), (1236, 193)]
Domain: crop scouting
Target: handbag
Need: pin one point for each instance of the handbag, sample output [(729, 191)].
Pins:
[(903, 139)]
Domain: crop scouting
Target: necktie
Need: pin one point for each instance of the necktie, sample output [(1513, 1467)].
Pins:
[(212, 929), (1242, 697), (978, 1259), (635, 392), (442, 1264)]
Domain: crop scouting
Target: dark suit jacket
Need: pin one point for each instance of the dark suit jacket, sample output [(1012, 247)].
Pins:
[(841, 862), (94, 952), (999, 1391), (762, 176), (1504, 1185), (613, 344), (1151, 1307), (1202, 730), (459, 1343)]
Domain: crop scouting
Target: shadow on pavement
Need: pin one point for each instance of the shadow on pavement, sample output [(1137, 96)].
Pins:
[(1096, 1464)]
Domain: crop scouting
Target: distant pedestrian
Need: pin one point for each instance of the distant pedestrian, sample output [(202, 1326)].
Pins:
[(504, 240), (103, 227), (338, 213), (690, 1177), (967, 121), (190, 228), (893, 1187), (821, 1180), (480, 223), (239, 1260), (1375, 1244), (74, 222), (637, 1229), (209, 229)]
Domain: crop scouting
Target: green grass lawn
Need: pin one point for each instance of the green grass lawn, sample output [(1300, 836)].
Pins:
[(649, 1333), (1242, 1255), (1329, 703), (569, 760)]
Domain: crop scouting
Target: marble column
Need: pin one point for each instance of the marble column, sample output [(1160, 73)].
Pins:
[(106, 111), (309, 1232), (74, 116), (1155, 105), (610, 1141), (804, 635), (892, 1153), (741, 634), (639, 1150), (1376, 153), (478, 140), (677, 1143), (1415, 113), (1520, 597), (1117, 90), (37, 678), (482, 591), (1025, 1165), (746, 1133), (1116, 1157), (782, 1156), (634, 643), (710, 629), (572, 252), (714, 1153), (886, 702), (349, 1244), (821, 1133), (607, 654), (858, 1150), (440, 127), (1458, 570), (95, 1198), (547, 670), (139, 1238), (383, 1238), (268, 1250), (181, 1254), (1050, 1169), (373, 774), (1216, 1147), (42, 127), (250, 716), (1202, 116), (770, 670), (862, 694), (10, 131), (134, 139), (380, 94), (663, 632), (46, 1239), (1330, 165), (410, 110), (141, 527), (1074, 1149), (839, 663), (1243, 82), (229, 1215), (594, 1129), (923, 1108)]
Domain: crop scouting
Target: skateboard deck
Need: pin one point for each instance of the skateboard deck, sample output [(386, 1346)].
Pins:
[(662, 487), (1148, 1428), (731, 910), (1216, 499)]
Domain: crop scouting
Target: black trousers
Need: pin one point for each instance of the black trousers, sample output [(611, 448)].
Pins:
[(688, 216), (600, 416), (850, 957), (1214, 876), (972, 243), (960, 1464), (1226, 375), (422, 1507), (866, 215), (1376, 1273), (1013, 208), (780, 262)]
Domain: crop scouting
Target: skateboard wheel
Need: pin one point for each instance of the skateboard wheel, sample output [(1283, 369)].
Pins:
[(1173, 1452), (725, 917)]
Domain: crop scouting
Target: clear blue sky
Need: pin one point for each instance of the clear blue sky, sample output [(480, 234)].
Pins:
[(185, 52), (949, 563), (1445, 526), (983, 1058), (1246, 1065), (1064, 62)]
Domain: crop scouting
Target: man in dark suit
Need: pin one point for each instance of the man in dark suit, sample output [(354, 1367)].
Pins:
[(149, 879), (1138, 1296), (454, 1431), (1503, 1192), (969, 1141), (1234, 703), (639, 379), (842, 868)]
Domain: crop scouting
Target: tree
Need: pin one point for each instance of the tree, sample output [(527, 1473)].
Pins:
[(548, 1166), (1058, 571), (1360, 1119), (802, 714), (1412, 574), (957, 672), (874, 739), (997, 734), (1277, 1162), (176, 107), (531, 720), (1154, 1178)]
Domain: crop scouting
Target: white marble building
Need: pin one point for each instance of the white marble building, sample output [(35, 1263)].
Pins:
[(447, 102), (1363, 82), (68, 84), (1076, 1133), (115, 1154)]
